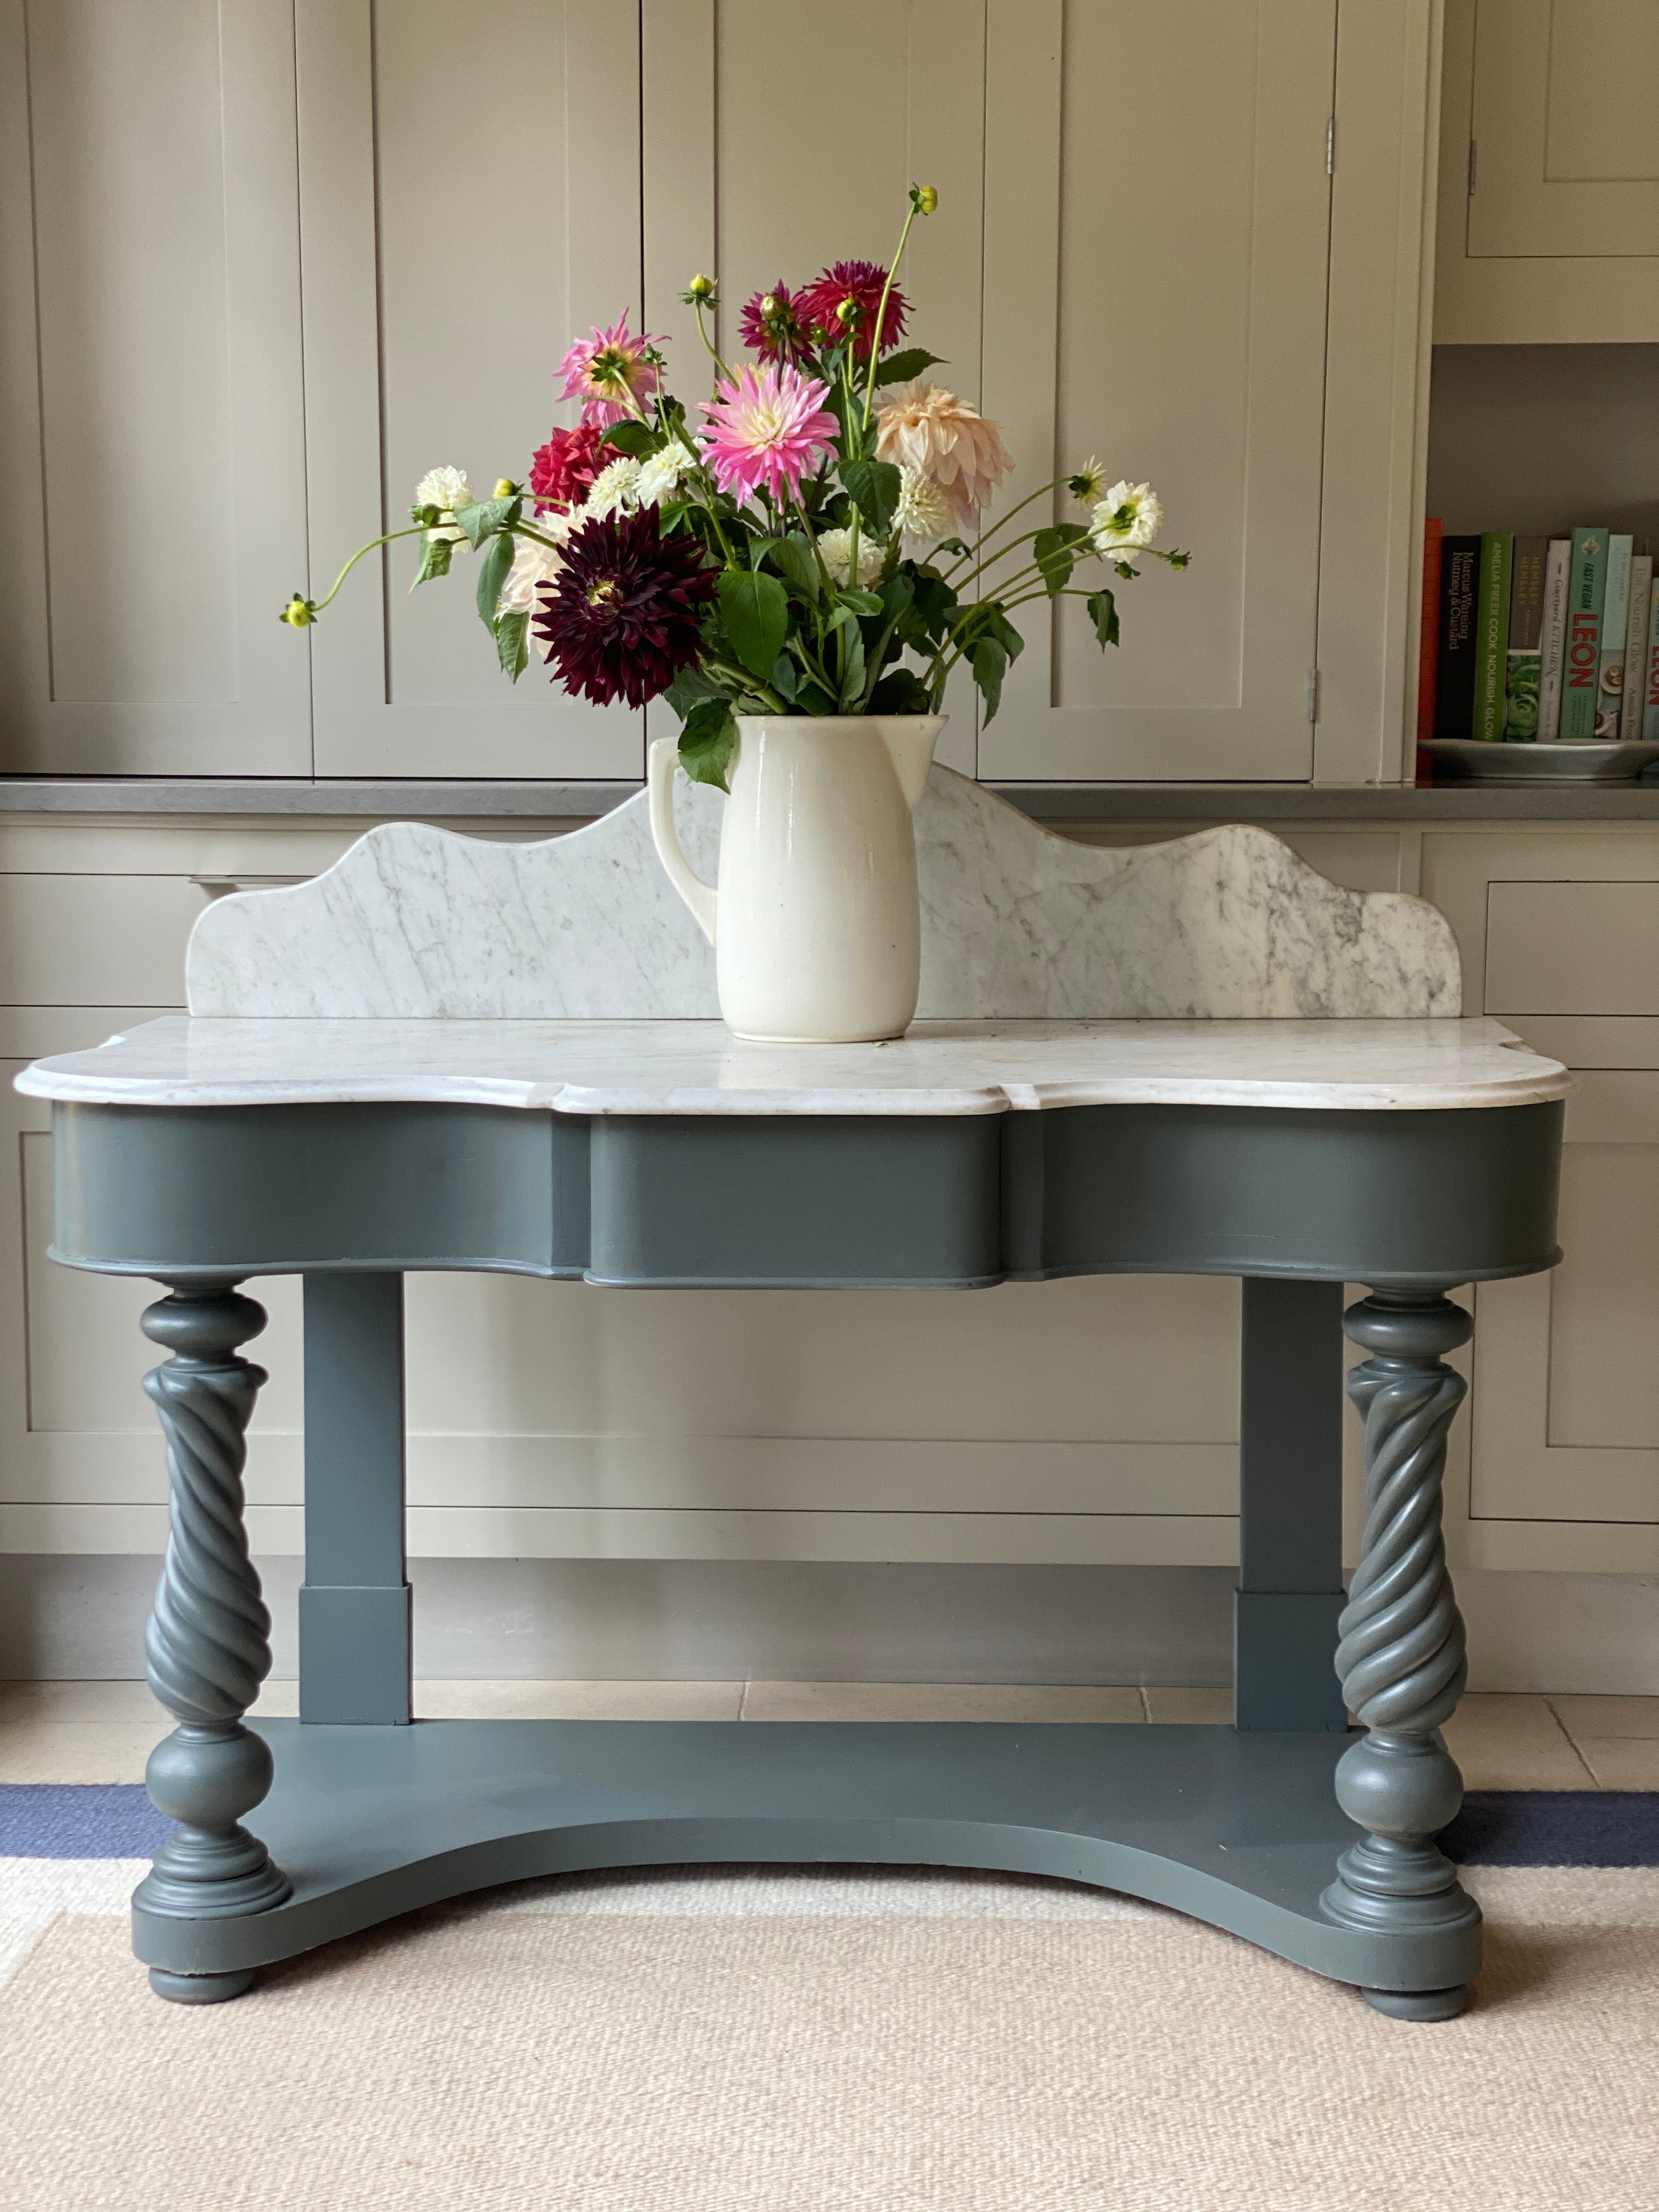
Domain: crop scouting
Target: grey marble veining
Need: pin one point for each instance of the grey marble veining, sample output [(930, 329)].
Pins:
[(1018, 923), (699, 1068)]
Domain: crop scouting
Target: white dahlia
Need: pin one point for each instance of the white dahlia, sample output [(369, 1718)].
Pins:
[(615, 488), (923, 513), (1127, 520), (835, 547), (446, 490), (533, 564), (659, 476)]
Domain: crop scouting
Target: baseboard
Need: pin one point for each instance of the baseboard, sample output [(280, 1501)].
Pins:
[(69, 1617)]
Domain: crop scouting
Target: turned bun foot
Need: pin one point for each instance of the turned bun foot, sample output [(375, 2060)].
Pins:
[(199, 1989), (1421, 2004)]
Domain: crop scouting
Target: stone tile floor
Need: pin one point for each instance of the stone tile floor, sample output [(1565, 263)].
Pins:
[(104, 1731)]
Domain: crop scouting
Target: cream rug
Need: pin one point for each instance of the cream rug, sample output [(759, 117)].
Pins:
[(722, 2041)]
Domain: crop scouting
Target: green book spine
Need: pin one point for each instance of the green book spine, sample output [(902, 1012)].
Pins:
[(1491, 632), (1615, 615), (1525, 672), (1587, 586)]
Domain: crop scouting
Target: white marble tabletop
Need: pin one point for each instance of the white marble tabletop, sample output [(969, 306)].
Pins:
[(699, 1068)]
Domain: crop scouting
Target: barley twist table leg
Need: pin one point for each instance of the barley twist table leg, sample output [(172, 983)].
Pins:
[(1400, 1657), (209, 1637)]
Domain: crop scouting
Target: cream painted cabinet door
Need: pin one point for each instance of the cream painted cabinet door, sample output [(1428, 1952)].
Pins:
[(1566, 129), (1549, 172), (1157, 232), (150, 390), (737, 186), (470, 200)]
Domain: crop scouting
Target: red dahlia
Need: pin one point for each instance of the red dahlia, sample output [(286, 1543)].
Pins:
[(849, 295), (624, 614), (774, 326), (565, 467)]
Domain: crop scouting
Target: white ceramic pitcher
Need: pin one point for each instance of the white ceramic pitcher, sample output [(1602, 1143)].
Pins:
[(815, 922)]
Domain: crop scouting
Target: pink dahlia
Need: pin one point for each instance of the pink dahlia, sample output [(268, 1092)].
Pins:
[(769, 427), (563, 471), (848, 298), (774, 326), (609, 375)]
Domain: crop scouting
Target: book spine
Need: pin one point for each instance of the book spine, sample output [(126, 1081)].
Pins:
[(1553, 650), (1428, 662), (1615, 615), (1524, 664), (1587, 586), (1454, 688), (1491, 633), (1633, 697), (1650, 711)]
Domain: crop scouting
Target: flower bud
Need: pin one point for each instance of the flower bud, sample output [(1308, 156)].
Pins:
[(924, 198), (299, 613), (505, 487), (700, 288)]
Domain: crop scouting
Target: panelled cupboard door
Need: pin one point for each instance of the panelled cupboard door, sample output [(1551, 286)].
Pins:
[(1566, 1390), (1566, 129), (150, 389), (1157, 226), (737, 184), (470, 200)]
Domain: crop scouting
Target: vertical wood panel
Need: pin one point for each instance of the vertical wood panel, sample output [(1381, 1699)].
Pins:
[(1378, 390), (1188, 347), (470, 201), (150, 219)]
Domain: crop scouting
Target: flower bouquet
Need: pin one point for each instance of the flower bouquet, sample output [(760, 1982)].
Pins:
[(797, 576)]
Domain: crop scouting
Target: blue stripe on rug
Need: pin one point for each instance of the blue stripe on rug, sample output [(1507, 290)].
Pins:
[(1496, 1827)]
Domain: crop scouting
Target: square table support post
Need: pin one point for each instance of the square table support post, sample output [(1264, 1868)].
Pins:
[(355, 1604), (1290, 1581)]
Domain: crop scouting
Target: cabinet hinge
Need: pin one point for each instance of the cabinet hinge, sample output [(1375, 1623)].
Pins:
[(1473, 149), (1330, 145), (1313, 694)]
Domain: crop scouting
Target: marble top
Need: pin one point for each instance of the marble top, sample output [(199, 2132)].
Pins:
[(697, 1067), (1017, 925)]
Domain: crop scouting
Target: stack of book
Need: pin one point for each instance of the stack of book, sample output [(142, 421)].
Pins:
[(1529, 639)]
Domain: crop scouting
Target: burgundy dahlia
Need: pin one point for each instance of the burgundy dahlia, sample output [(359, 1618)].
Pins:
[(774, 326), (848, 296), (623, 617), (563, 470)]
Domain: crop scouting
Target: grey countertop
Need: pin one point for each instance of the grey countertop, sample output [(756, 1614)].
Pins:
[(1045, 802)]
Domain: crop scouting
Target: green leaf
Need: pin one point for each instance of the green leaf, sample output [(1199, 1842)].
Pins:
[(862, 602), (813, 699), (784, 678), (688, 687), (791, 556), (900, 367), (990, 666), (512, 644), (707, 742), (493, 572), (1052, 551), (755, 607), (475, 523), (873, 488), (997, 625), (1102, 612), (900, 691), (436, 557), (633, 438), (935, 604), (851, 682)]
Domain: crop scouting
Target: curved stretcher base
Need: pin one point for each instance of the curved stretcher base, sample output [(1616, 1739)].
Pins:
[(1240, 1830)]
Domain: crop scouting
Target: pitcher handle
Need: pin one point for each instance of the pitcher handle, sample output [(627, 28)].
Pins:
[(701, 898)]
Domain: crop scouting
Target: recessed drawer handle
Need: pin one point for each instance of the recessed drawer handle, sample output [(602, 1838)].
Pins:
[(218, 887)]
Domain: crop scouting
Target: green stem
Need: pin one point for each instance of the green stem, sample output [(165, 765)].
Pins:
[(710, 344), (746, 682), (419, 529), (881, 315), (1001, 523)]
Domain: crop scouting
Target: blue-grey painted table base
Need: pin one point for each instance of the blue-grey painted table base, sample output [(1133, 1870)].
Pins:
[(1285, 1829)]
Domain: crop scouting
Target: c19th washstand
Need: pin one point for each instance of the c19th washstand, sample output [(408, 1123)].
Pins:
[(447, 1055)]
